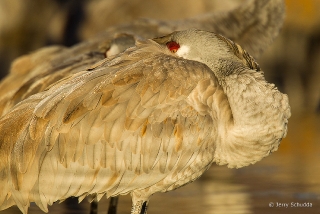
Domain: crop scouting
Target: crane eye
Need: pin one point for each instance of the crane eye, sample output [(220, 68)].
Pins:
[(173, 46)]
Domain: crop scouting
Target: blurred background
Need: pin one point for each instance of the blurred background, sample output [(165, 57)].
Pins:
[(290, 175)]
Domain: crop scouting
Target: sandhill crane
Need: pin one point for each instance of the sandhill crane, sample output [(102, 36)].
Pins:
[(46, 66), (149, 120)]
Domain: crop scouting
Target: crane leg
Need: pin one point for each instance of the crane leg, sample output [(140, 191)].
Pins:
[(113, 205), (140, 207), (94, 207)]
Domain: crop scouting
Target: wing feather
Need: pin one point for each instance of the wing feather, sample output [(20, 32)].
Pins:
[(114, 125)]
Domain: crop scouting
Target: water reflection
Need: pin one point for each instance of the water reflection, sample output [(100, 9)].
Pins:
[(290, 175), (226, 198)]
